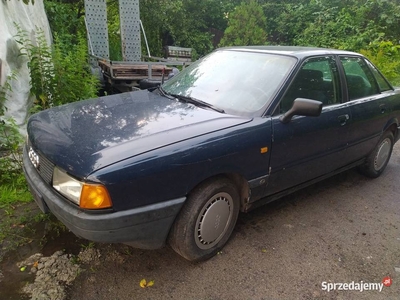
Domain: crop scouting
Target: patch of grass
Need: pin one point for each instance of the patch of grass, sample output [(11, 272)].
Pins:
[(14, 192), (17, 213), (17, 225), (19, 216)]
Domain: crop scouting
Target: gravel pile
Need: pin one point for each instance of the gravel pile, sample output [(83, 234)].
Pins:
[(53, 274)]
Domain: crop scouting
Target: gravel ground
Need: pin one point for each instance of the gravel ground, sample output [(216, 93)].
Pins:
[(52, 274)]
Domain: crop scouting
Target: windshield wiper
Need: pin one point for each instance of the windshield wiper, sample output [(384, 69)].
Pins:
[(197, 102), (187, 99), (165, 94)]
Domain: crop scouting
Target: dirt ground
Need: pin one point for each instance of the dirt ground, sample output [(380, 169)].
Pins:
[(342, 230)]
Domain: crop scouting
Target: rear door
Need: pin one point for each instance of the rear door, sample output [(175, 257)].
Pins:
[(367, 100), (308, 147)]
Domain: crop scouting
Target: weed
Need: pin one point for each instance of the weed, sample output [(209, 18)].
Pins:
[(59, 74), (88, 246), (13, 188), (41, 217), (74, 259), (54, 225)]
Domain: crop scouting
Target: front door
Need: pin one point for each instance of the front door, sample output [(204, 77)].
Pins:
[(308, 147)]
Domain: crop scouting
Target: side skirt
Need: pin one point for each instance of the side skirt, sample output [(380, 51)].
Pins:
[(270, 198)]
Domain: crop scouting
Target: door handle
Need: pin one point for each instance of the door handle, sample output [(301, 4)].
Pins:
[(383, 108), (343, 119)]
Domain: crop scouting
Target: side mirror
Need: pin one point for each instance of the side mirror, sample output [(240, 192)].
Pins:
[(174, 72), (302, 107)]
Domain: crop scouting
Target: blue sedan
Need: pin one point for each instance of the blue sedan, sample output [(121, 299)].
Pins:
[(237, 129)]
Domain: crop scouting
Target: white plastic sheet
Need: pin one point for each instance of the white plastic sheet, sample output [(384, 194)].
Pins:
[(28, 17)]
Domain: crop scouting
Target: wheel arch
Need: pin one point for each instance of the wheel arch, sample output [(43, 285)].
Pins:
[(187, 236), (237, 179), (392, 125)]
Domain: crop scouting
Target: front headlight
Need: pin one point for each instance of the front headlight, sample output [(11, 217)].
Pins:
[(67, 186), (89, 196)]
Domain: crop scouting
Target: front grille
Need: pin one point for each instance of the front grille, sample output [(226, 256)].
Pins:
[(44, 167)]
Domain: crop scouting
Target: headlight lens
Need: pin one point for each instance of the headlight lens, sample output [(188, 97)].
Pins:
[(67, 186), (89, 196)]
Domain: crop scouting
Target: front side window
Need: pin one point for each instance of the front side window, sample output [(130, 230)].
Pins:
[(239, 82), (317, 79), (360, 81)]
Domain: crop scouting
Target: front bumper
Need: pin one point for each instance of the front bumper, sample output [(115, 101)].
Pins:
[(144, 227)]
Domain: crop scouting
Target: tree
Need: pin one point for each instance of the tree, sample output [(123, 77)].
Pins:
[(184, 23), (66, 19), (246, 26), (344, 24), (286, 19)]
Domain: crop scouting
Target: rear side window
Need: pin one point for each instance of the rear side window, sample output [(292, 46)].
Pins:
[(382, 83), (360, 81)]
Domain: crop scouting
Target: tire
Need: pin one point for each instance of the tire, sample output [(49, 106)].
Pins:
[(206, 220), (377, 161)]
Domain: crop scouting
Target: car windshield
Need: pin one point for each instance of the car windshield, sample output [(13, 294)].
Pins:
[(236, 82)]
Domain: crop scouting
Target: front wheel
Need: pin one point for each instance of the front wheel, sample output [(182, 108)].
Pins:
[(206, 220), (377, 161)]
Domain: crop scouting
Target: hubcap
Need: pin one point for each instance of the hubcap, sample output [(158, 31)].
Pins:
[(382, 154), (214, 220)]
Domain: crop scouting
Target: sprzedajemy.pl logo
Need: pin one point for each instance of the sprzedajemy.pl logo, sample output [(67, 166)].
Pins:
[(357, 286)]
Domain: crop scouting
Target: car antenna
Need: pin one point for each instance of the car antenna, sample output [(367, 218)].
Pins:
[(162, 76)]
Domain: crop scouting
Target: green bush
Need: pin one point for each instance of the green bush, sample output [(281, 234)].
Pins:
[(59, 74), (386, 56)]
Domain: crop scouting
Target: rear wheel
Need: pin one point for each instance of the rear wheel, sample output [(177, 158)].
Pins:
[(377, 161), (206, 220)]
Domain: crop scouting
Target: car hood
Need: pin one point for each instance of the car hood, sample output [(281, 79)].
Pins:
[(85, 136)]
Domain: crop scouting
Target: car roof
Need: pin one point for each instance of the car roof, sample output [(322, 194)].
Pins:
[(296, 51)]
